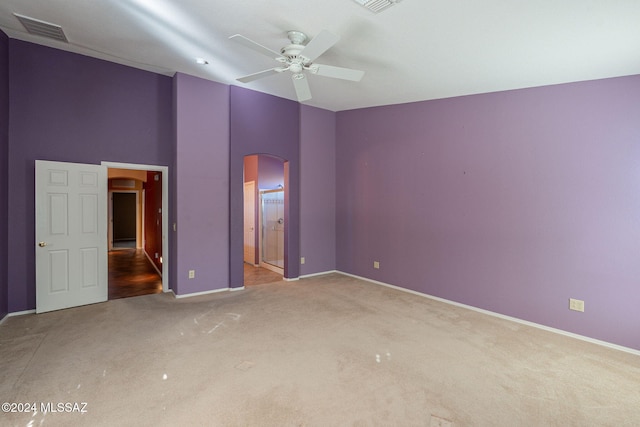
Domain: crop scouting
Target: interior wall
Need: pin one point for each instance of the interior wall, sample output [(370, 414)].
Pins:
[(251, 169), (72, 108), (202, 177), (270, 172), (4, 172), (318, 190), (512, 202), (261, 123), (140, 175), (153, 217)]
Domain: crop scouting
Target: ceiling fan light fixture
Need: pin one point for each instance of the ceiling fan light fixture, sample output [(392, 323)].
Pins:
[(298, 59), (296, 67), (376, 5)]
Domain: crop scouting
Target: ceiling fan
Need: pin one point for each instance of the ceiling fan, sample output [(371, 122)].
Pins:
[(297, 57)]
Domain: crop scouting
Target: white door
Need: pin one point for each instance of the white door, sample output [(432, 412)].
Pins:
[(71, 235), (250, 222)]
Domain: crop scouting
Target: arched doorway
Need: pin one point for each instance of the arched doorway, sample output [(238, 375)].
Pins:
[(263, 124), (264, 218)]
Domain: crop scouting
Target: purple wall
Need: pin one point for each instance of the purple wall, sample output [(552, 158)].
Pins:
[(202, 172), (512, 202), (72, 108), (4, 171), (318, 187), (270, 172), (263, 124)]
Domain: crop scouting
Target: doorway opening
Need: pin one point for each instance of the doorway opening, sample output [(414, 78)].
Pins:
[(124, 219), (264, 219), (271, 222), (137, 230)]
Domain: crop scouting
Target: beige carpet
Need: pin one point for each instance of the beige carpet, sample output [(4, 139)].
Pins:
[(325, 351)]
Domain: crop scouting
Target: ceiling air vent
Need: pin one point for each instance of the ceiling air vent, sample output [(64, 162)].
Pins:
[(376, 5), (42, 28)]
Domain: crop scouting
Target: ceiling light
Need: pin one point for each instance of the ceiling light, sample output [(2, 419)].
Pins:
[(201, 61)]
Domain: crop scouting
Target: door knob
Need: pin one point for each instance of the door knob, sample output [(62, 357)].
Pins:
[(42, 244)]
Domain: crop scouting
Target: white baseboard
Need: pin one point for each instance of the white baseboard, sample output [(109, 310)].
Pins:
[(501, 316), (17, 313), (292, 279), (20, 313), (322, 273), (152, 262), (196, 294)]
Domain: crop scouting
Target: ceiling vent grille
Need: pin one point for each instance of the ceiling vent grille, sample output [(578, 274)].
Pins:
[(42, 28), (376, 5)]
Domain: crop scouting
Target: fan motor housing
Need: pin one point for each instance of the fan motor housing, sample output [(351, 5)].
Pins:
[(292, 50)]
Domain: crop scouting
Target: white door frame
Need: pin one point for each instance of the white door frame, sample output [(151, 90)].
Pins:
[(165, 210)]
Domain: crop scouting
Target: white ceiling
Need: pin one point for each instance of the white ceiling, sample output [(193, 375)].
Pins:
[(415, 50)]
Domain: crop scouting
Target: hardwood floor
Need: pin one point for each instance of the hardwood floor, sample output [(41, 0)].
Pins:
[(258, 275), (131, 274)]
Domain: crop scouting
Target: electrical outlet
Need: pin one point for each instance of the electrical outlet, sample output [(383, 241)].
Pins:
[(376, 264), (301, 260), (576, 304), (192, 274)]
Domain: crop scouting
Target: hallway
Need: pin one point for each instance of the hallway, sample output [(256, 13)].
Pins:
[(259, 276), (131, 274)]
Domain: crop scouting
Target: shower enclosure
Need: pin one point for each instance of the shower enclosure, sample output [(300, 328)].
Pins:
[(272, 216)]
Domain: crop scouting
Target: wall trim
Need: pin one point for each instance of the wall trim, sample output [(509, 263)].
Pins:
[(153, 264), (196, 294), (502, 316), (291, 279), (17, 313), (322, 273)]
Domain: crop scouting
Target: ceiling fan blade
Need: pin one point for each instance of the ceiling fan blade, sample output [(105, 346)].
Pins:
[(337, 72), (319, 45), (255, 46), (302, 88), (258, 75)]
